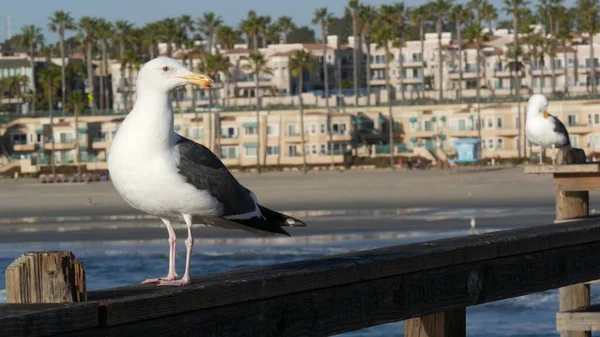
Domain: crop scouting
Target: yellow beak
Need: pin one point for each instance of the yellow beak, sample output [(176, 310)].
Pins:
[(200, 79), (546, 114)]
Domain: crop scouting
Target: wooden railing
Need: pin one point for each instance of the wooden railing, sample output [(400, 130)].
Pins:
[(429, 284)]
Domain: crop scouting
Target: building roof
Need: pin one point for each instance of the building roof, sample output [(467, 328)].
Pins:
[(561, 49), (285, 54), (314, 46), (495, 52), (238, 51), (13, 62)]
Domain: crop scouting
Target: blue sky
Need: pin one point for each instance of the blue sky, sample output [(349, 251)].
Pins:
[(143, 11)]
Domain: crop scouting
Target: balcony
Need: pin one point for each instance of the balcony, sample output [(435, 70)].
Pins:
[(467, 74), (579, 128), (462, 132), (507, 132), (293, 137), (60, 146), (228, 139), (413, 64), (100, 143), (421, 132), (23, 146)]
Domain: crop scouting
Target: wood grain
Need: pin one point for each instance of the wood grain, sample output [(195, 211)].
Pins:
[(451, 323), (45, 277)]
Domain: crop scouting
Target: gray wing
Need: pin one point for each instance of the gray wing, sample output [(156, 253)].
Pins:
[(206, 172), (560, 128)]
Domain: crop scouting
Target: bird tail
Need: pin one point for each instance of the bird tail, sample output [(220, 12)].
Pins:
[(280, 218)]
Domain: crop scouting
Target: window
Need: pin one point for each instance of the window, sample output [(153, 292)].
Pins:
[(273, 130), (292, 150), (499, 123), (490, 123), (323, 149), (313, 149), (500, 144), (228, 132), (40, 137), (229, 151), (65, 137), (338, 129), (471, 84), (595, 140), (313, 129), (19, 139), (272, 150), (574, 140), (194, 133), (572, 120), (250, 131), (323, 128), (596, 119), (339, 148), (293, 130), (490, 143), (251, 151)]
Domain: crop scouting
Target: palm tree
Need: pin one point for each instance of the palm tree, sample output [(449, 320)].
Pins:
[(476, 36), (50, 79), (257, 65), (302, 61), (322, 17), (60, 22), (264, 23), (383, 34), (87, 28), (353, 10), (400, 13), (367, 16), (418, 17), (227, 37), (476, 6), (32, 37), (123, 30), (439, 9), (208, 25), (286, 26), (75, 104), (459, 15), (513, 7), (251, 28), (489, 14), (150, 37), (563, 34), (187, 26), (588, 10), (169, 32), (214, 65), (104, 31)]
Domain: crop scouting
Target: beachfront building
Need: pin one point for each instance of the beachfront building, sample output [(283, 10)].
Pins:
[(426, 131), (413, 72)]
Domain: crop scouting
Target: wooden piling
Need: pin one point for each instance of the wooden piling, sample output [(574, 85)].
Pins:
[(443, 324), (45, 277), (573, 205)]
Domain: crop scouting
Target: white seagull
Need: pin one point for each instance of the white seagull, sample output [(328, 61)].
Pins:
[(543, 129), (161, 173)]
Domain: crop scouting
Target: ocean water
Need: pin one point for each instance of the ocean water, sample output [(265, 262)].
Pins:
[(118, 263)]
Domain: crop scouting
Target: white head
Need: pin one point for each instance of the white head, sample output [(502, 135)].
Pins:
[(537, 105), (165, 74)]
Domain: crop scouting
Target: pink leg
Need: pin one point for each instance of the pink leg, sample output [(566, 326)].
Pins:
[(172, 241), (189, 243)]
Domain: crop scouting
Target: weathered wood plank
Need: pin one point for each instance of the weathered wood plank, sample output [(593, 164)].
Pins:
[(41, 320), (579, 320), (349, 307), (572, 205), (277, 280), (573, 168), (45, 277), (451, 323), (576, 181), (570, 155)]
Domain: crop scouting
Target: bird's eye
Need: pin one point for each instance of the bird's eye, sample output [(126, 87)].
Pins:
[(165, 68)]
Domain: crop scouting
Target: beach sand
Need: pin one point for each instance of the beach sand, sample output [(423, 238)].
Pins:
[(30, 210)]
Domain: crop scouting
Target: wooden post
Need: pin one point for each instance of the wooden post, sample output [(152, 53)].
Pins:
[(45, 277), (570, 205), (451, 323)]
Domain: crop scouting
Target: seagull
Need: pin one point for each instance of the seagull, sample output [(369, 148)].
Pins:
[(159, 172), (543, 129)]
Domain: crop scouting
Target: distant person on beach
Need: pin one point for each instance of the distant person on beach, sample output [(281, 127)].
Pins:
[(90, 202)]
